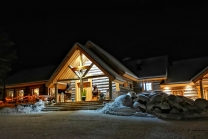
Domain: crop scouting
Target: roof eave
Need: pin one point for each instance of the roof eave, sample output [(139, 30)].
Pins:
[(149, 77)]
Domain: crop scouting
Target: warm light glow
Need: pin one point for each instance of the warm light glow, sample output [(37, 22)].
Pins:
[(36, 91), (166, 88), (188, 87)]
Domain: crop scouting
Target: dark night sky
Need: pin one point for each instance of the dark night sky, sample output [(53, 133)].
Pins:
[(43, 37)]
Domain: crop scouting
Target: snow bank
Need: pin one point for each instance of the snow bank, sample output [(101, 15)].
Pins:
[(160, 105), (19, 109)]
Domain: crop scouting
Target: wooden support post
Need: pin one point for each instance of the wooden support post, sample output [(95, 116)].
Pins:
[(110, 89), (81, 80), (81, 88), (201, 89), (56, 92)]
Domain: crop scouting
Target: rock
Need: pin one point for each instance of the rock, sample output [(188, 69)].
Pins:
[(172, 98), (177, 105), (132, 94), (164, 106), (157, 110), (157, 92), (126, 110), (185, 108), (127, 101), (191, 107), (171, 102), (156, 98), (151, 105), (174, 111), (146, 94), (152, 94), (142, 98), (135, 105), (201, 103), (138, 105)]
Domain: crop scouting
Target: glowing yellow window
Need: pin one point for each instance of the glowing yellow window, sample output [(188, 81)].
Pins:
[(35, 91)]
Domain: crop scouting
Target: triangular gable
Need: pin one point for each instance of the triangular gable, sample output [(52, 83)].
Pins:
[(200, 75), (111, 61), (73, 54)]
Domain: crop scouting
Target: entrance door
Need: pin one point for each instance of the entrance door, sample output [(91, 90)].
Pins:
[(87, 85)]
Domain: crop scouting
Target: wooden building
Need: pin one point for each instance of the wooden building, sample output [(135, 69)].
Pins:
[(89, 65), (187, 78), (82, 67)]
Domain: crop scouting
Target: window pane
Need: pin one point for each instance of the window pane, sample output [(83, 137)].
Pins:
[(148, 86), (36, 91), (144, 86), (10, 94)]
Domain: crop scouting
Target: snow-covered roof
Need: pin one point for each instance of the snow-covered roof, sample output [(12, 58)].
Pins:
[(112, 60), (31, 75), (186, 70), (155, 67)]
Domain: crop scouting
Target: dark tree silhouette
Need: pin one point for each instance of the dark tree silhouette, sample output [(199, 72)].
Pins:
[(7, 55)]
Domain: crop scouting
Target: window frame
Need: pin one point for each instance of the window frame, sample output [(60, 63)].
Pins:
[(144, 86)]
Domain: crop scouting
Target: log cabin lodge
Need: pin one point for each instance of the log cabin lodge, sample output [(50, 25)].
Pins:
[(85, 66)]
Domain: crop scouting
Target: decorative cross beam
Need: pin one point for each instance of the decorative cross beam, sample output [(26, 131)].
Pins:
[(80, 68)]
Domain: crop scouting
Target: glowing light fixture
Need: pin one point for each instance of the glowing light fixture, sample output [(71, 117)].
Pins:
[(167, 88)]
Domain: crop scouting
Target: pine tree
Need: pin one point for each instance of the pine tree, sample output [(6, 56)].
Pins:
[(7, 55)]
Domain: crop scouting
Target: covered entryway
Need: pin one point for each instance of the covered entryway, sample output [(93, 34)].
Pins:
[(82, 71), (201, 81)]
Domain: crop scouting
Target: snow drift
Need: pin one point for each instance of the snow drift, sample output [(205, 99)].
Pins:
[(19, 109)]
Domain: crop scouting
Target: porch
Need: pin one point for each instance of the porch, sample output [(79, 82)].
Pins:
[(80, 75)]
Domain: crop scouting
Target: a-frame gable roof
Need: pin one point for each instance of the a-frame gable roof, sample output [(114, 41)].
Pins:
[(94, 58), (200, 75), (110, 60)]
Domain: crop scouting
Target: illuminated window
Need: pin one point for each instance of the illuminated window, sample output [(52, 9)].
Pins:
[(10, 94), (206, 93), (147, 86), (20, 93), (52, 92), (35, 91)]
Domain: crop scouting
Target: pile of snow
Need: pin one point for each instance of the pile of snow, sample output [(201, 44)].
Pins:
[(36, 107), (160, 105)]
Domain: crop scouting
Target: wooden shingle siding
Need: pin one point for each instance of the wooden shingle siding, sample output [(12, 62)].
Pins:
[(156, 85), (193, 94), (138, 87), (125, 90), (103, 84)]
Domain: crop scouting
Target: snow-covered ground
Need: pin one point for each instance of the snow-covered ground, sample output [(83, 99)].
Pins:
[(92, 125), (119, 119)]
